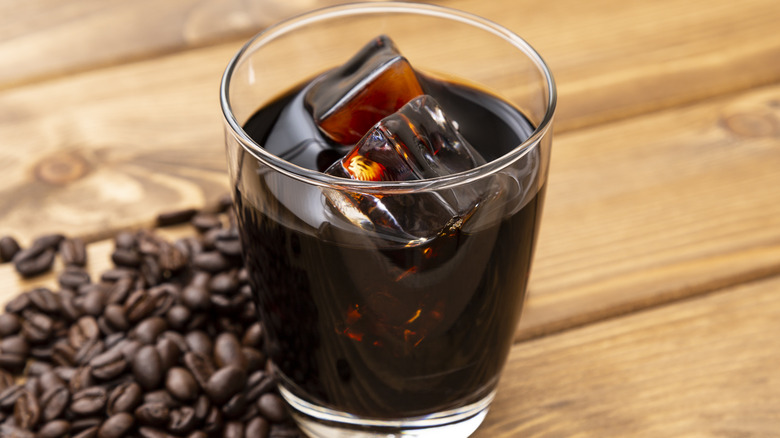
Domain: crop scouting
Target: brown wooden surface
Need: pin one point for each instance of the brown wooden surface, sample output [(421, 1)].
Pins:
[(706, 367), (662, 200)]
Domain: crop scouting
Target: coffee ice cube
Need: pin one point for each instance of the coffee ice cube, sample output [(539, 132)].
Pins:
[(417, 142), (347, 101)]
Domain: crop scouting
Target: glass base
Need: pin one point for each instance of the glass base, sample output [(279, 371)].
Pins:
[(319, 422)]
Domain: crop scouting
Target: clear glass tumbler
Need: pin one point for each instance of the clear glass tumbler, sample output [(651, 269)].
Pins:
[(394, 319)]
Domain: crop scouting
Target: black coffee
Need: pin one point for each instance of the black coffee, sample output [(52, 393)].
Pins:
[(375, 326)]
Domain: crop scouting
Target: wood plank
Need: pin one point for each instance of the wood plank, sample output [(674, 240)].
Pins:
[(658, 208), (46, 38), (705, 367), (612, 59)]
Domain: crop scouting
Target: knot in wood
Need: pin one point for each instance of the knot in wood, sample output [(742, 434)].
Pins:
[(61, 168), (760, 122)]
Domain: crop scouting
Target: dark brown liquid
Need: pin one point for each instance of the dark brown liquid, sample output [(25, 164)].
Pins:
[(377, 327)]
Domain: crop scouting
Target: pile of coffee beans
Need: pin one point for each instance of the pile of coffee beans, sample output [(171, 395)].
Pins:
[(165, 344)]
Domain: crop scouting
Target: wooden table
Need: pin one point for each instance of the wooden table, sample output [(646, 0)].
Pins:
[(654, 306)]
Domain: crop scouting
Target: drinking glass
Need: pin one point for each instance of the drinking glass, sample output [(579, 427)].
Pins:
[(377, 330)]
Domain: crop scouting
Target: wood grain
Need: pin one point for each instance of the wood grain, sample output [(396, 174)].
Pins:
[(656, 208), (705, 367), (46, 38)]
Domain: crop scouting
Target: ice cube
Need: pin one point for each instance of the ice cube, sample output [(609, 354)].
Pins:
[(416, 142), (347, 101)]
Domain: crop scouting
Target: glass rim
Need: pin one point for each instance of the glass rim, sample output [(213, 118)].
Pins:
[(321, 179)]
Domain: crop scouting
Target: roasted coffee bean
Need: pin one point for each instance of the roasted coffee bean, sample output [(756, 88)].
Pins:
[(94, 301), (63, 353), (69, 309), (9, 395), (272, 407), (257, 427), (151, 272), (8, 248), (161, 396), (175, 217), (113, 275), (73, 277), (65, 373), (37, 327), (149, 329), (10, 324), (54, 401), (233, 429), (116, 426), (258, 384), (90, 432), (228, 247), (196, 297), (200, 367), (18, 304), (32, 264), (124, 398), (139, 305), (108, 365), (171, 258), (199, 342), (88, 351), (147, 367), (85, 330), (115, 316), (81, 380), (127, 258), (253, 336), (206, 221), (27, 411), (124, 240), (198, 434), (211, 261), (73, 252), (202, 407), (182, 420), (169, 353), (235, 407), (48, 241), (181, 384), (153, 414), (15, 345), (8, 430), (255, 359), (45, 300), (49, 378), (54, 429), (89, 401), (227, 351), (225, 283), (178, 316), (225, 383)]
